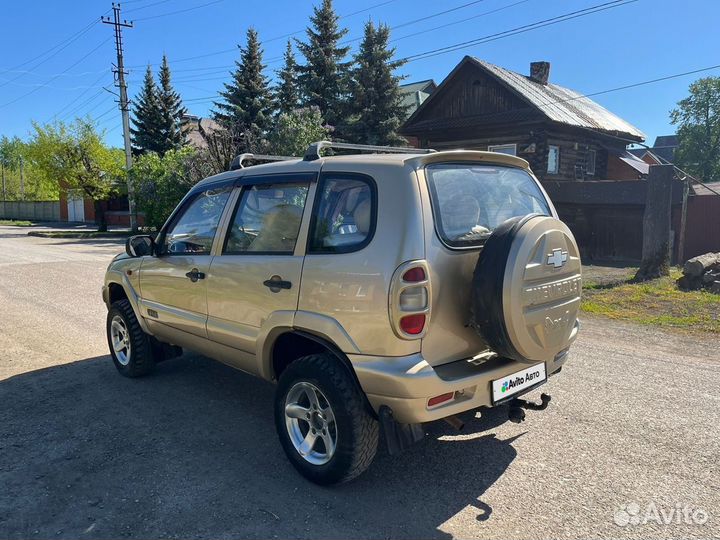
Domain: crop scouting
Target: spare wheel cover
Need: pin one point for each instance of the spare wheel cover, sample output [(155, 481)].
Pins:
[(526, 289)]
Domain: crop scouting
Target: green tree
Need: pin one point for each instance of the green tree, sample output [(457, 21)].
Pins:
[(377, 109), (323, 78), (247, 104), (295, 130), (75, 157), (287, 95), (698, 120), (171, 113), (147, 117), (161, 182)]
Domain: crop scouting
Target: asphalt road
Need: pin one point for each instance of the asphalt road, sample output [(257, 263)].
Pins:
[(191, 452)]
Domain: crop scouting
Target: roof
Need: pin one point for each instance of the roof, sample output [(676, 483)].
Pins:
[(666, 140), (299, 165), (709, 188), (414, 94), (634, 161), (561, 104), (554, 102), (191, 130)]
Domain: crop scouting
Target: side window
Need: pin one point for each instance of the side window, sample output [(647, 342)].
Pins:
[(344, 219), (193, 231), (267, 219)]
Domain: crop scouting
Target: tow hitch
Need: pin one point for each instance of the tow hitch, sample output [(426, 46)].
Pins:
[(516, 413)]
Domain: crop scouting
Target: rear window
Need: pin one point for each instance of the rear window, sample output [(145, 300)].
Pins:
[(470, 200)]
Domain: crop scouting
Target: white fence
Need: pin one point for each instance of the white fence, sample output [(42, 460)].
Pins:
[(33, 210)]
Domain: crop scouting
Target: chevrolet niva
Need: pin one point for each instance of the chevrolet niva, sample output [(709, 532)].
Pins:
[(378, 291)]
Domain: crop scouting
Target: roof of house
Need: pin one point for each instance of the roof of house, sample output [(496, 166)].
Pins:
[(414, 94), (562, 104), (665, 146), (192, 133), (634, 161), (555, 102)]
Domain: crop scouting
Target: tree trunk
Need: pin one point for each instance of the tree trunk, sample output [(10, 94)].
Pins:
[(698, 265), (100, 216), (656, 224)]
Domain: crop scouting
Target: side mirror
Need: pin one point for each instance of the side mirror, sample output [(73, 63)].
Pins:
[(140, 245)]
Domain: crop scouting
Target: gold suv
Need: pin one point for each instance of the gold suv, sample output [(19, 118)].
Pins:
[(379, 291)]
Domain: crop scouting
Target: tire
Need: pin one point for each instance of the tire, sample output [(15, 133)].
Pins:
[(355, 429), (136, 358), (526, 289)]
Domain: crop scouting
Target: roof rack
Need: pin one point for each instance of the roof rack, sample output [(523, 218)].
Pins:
[(314, 150), (237, 163)]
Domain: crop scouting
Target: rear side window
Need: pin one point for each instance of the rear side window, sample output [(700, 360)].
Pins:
[(470, 200), (345, 214), (267, 219)]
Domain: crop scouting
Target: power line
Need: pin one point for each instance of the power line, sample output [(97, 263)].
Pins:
[(103, 74), (460, 21), (69, 42), (103, 42), (133, 10), (520, 29), (71, 37), (178, 11)]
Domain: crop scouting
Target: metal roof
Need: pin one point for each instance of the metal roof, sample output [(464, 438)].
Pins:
[(561, 104)]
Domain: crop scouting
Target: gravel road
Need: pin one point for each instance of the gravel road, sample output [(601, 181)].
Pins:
[(191, 452)]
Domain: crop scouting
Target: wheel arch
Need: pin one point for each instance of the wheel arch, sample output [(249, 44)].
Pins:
[(119, 288), (294, 344)]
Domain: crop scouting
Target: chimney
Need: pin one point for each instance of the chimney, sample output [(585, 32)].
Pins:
[(540, 72)]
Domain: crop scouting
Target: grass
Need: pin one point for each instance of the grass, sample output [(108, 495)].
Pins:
[(16, 223), (657, 302)]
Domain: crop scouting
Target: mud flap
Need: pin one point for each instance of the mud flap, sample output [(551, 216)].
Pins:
[(398, 437)]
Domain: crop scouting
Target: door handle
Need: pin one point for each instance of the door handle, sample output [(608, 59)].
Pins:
[(276, 283), (195, 274)]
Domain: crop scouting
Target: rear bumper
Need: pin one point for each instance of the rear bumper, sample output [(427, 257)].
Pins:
[(406, 383)]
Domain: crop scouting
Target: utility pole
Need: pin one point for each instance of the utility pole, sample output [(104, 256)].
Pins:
[(2, 164), (22, 178), (120, 72), (683, 220)]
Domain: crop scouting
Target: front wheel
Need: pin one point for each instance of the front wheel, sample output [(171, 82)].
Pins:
[(323, 422), (130, 347)]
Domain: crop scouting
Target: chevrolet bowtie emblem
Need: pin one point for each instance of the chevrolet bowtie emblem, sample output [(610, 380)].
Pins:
[(557, 258)]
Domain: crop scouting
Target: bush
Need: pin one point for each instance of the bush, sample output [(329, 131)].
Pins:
[(161, 183)]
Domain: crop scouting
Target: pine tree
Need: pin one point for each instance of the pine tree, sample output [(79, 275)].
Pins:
[(323, 79), (287, 95), (146, 134), (247, 105), (376, 108), (171, 113)]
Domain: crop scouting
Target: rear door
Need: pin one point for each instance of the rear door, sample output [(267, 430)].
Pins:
[(172, 284), (258, 269), (466, 202)]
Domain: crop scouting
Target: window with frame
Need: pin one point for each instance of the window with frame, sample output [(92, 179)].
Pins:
[(267, 219), (553, 159), (344, 220), (590, 162), (510, 149), (193, 231)]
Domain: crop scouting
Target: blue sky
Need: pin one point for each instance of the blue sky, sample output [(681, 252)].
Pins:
[(639, 41)]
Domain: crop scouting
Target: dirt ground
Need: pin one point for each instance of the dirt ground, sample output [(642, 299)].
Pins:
[(191, 451)]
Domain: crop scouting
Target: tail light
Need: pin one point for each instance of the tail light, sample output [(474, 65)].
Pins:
[(410, 300)]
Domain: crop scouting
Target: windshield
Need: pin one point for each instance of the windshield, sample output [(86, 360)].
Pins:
[(470, 200)]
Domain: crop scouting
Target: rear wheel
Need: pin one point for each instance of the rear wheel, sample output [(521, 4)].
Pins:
[(322, 421), (130, 347)]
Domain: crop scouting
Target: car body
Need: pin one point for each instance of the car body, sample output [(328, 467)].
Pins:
[(312, 257)]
